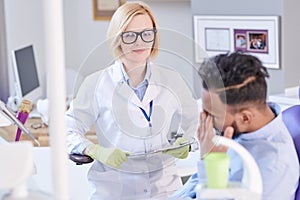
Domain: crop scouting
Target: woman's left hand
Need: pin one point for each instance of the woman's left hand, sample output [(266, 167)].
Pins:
[(182, 152)]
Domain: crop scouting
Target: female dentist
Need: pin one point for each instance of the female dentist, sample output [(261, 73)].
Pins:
[(133, 105)]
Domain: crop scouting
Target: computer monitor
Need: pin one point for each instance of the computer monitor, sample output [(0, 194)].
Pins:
[(27, 83)]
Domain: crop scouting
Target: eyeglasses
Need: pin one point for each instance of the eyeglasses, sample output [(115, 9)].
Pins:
[(130, 37)]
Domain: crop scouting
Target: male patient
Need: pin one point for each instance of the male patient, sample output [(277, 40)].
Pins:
[(234, 104)]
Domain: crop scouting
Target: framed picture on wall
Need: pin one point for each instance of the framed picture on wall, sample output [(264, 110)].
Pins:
[(104, 9), (255, 41), (257, 35), (217, 39)]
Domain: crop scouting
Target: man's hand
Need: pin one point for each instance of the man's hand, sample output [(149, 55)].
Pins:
[(206, 133), (112, 157)]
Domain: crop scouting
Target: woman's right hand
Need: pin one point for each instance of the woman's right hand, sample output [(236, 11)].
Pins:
[(112, 157)]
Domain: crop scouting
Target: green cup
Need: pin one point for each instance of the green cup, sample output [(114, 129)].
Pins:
[(217, 169)]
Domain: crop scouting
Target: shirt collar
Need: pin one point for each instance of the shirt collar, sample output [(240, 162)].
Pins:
[(126, 77), (268, 129)]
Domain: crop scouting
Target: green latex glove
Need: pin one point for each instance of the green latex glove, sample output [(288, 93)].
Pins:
[(182, 152), (112, 157)]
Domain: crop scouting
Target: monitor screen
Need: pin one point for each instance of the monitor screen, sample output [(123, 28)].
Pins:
[(26, 74)]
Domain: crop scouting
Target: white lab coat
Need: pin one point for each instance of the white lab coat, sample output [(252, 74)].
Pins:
[(106, 101)]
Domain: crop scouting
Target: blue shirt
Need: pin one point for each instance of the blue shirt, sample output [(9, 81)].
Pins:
[(141, 88), (273, 150)]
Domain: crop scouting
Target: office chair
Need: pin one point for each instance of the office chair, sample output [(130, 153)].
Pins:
[(291, 118), (80, 159)]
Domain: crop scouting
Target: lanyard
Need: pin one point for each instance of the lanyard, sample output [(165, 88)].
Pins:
[(148, 117)]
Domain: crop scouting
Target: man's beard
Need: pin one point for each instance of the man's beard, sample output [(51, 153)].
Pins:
[(236, 133)]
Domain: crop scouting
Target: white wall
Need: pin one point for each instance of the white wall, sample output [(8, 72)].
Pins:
[(82, 32), (24, 25), (291, 42), (177, 44)]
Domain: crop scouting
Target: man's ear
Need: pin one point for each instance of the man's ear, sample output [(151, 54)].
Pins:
[(244, 118)]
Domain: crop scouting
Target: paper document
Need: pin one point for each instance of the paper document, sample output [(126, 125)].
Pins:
[(160, 150)]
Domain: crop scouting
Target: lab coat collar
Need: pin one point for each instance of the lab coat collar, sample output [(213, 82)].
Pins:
[(125, 90), (153, 86), (117, 74), (151, 93)]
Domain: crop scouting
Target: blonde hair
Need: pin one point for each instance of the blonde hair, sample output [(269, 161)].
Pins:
[(120, 20)]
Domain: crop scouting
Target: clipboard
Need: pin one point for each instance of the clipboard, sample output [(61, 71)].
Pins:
[(160, 150)]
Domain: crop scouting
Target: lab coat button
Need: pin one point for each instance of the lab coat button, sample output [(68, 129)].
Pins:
[(145, 190)]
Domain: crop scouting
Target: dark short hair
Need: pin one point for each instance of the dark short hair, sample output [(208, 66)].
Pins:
[(237, 77)]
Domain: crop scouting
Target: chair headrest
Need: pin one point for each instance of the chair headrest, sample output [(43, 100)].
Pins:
[(291, 118)]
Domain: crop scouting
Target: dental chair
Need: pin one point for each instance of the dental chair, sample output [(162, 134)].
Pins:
[(291, 118)]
